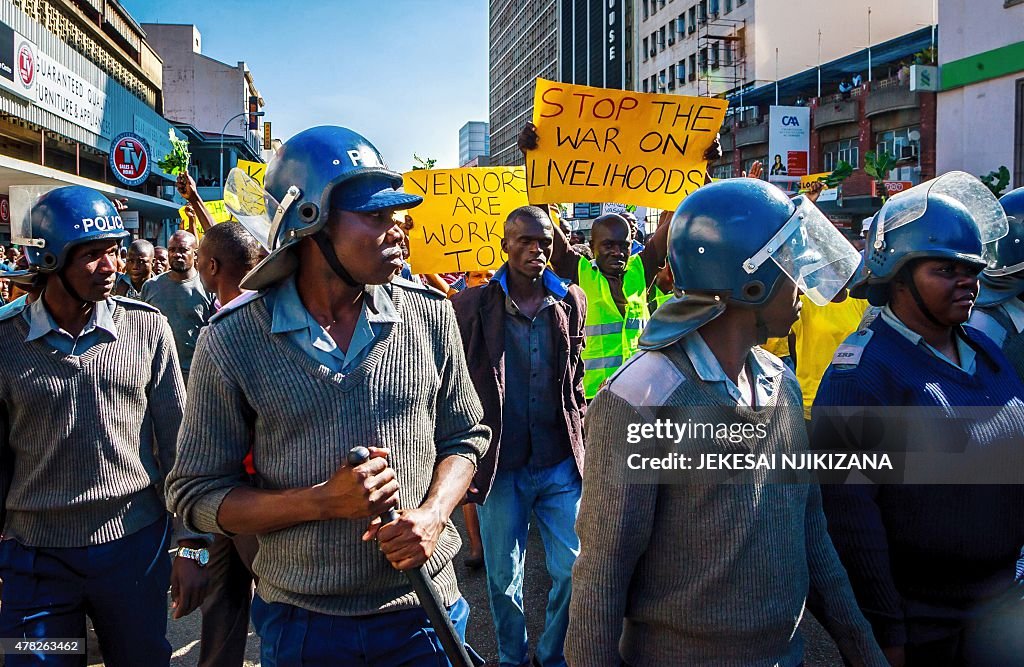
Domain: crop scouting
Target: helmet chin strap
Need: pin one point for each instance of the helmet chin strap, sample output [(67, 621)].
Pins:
[(912, 286), (327, 250)]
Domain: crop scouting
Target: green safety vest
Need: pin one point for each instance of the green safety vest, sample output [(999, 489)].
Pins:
[(611, 338)]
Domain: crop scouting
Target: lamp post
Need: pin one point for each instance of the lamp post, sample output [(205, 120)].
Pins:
[(258, 114)]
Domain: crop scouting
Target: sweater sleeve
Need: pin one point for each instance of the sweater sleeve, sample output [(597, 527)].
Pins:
[(215, 436), (166, 401), (6, 463), (838, 607), (614, 526), (458, 430), (852, 510)]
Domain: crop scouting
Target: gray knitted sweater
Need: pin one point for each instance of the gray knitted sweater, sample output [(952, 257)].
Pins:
[(82, 459), (250, 388), (700, 574)]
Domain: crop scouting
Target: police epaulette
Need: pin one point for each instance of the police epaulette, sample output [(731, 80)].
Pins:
[(16, 307), (135, 303), (417, 287), (235, 304), (848, 355)]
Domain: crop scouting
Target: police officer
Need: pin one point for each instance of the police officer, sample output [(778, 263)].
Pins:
[(707, 573), (932, 565), (333, 352), (998, 310), (92, 399)]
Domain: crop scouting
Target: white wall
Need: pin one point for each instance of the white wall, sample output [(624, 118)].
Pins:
[(975, 123)]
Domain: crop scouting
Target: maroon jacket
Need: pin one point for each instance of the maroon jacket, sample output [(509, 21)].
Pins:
[(480, 312)]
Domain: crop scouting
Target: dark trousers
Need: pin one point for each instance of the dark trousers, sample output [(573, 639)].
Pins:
[(295, 637), (226, 605), (121, 585)]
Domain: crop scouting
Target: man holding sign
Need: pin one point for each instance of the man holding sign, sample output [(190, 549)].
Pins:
[(615, 281)]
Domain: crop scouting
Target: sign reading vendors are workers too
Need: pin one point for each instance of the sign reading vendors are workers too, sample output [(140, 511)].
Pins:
[(598, 144), (460, 224)]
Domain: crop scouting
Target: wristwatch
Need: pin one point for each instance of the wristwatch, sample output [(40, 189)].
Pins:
[(200, 556)]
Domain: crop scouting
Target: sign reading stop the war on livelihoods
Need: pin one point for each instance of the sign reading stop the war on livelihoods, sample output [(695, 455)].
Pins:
[(597, 144), (460, 223)]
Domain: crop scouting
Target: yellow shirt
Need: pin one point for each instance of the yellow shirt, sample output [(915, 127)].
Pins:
[(777, 346), (819, 331)]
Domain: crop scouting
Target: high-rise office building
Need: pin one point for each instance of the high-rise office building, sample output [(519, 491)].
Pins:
[(474, 141)]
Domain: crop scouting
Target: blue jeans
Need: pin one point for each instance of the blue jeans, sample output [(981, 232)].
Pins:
[(553, 495), (122, 586), (294, 637)]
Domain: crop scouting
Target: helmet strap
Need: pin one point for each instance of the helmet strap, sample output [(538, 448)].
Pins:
[(912, 286), (69, 289), (331, 257)]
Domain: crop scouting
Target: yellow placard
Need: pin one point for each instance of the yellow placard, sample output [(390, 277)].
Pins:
[(805, 181), (255, 170), (460, 223), (603, 145), (216, 208)]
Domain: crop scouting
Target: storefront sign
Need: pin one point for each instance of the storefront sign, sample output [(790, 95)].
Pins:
[(156, 140), (17, 63), (130, 158), (63, 93), (891, 188)]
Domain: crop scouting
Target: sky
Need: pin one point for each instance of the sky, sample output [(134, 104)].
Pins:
[(406, 74)]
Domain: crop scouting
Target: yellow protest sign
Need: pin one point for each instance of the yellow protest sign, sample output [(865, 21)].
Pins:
[(806, 181), (460, 223), (216, 208), (255, 170), (603, 145)]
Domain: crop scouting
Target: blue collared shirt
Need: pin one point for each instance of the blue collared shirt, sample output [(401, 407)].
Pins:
[(710, 371), (968, 358), (289, 317), (533, 424), (99, 329)]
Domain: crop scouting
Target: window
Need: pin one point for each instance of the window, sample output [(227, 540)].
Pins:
[(671, 32), (721, 171), (681, 70), (904, 144), (693, 66), (681, 24), (714, 56), (747, 164), (661, 3), (646, 85), (661, 81), (645, 49), (846, 150), (703, 11), (654, 6), (654, 83), (704, 62), (714, 7), (671, 72), (661, 38), (654, 43), (727, 54), (693, 19), (646, 14), (728, 6)]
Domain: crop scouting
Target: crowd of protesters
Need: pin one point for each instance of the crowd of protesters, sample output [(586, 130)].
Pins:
[(203, 398)]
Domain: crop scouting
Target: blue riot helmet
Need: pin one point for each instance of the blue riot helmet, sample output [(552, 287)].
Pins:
[(953, 216), (316, 170), (735, 242), (1004, 279), (61, 219)]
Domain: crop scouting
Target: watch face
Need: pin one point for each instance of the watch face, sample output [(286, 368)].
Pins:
[(204, 556)]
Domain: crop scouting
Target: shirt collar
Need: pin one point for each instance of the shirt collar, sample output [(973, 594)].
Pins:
[(552, 283), (289, 313), (1015, 309), (968, 357), (709, 370), (41, 322)]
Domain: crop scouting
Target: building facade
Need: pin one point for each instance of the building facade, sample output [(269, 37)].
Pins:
[(474, 141), (587, 42), (712, 47), (210, 97), (75, 75), (981, 103)]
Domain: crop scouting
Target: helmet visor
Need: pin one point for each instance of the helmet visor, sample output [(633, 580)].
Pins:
[(909, 205), (23, 197), (812, 252), (252, 206)]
